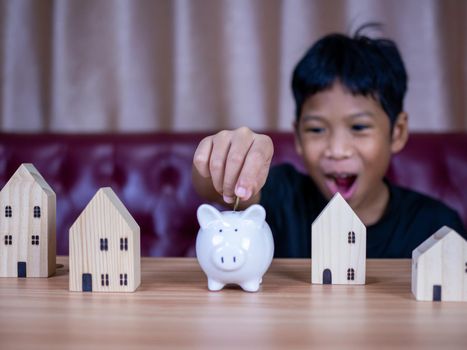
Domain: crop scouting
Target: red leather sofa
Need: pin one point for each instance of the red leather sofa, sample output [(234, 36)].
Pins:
[(151, 173)]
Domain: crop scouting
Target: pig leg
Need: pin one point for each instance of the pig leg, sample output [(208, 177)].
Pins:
[(251, 286), (214, 285)]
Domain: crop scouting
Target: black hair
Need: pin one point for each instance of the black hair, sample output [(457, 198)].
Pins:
[(365, 66)]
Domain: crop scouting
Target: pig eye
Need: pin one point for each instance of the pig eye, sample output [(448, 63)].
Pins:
[(220, 230), (236, 230)]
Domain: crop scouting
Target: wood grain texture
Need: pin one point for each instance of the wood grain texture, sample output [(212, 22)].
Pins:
[(330, 248), (440, 261), (25, 190), (173, 309), (105, 218)]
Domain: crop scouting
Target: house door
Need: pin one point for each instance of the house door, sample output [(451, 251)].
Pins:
[(436, 292), (21, 269), (327, 277), (87, 282)]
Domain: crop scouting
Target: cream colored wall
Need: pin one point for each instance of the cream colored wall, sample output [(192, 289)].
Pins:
[(82, 66)]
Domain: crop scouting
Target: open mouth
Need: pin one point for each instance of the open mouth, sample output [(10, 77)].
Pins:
[(344, 183)]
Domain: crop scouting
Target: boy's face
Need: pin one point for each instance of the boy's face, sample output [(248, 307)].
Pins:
[(346, 143)]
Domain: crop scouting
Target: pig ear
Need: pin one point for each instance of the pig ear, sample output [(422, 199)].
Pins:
[(255, 213), (206, 214)]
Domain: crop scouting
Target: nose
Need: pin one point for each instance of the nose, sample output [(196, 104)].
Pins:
[(339, 147), (228, 258)]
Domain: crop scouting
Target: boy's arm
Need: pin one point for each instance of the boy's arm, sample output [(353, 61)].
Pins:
[(232, 163)]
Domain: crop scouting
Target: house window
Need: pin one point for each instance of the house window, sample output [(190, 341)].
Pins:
[(123, 279), (105, 280), (350, 274), (8, 211), (104, 244), (35, 239), (351, 237), (8, 240), (37, 211), (123, 243)]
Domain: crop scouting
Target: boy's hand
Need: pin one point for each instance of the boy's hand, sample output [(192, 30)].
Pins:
[(233, 163)]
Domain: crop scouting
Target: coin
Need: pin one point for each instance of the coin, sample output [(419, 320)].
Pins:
[(237, 200)]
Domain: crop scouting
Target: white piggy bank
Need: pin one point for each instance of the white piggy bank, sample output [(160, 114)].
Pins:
[(234, 246)]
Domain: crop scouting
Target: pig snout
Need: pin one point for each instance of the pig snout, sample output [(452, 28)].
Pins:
[(228, 258)]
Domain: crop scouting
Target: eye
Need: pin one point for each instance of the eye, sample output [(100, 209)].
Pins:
[(236, 230), (360, 127), (220, 230), (315, 130)]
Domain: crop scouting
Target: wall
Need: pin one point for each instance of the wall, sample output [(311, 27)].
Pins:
[(96, 65)]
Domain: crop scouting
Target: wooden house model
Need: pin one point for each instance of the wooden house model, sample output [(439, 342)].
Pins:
[(338, 245), (105, 247), (439, 267), (27, 225)]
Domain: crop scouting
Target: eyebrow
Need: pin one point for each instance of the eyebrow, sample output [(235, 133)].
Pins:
[(362, 114), (309, 117)]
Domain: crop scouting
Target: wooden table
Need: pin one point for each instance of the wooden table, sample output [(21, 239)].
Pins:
[(173, 309)]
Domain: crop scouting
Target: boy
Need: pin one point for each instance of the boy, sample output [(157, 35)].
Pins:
[(349, 121)]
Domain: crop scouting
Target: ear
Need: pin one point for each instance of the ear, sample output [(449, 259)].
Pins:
[(255, 213), (297, 139), (206, 214), (400, 133)]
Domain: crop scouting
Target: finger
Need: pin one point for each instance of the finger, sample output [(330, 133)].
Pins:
[(242, 140), (202, 156), (220, 149), (255, 168)]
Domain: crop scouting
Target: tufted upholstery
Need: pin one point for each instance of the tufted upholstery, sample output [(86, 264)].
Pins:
[(151, 173)]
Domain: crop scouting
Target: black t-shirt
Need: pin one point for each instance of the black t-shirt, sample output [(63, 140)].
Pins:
[(292, 202)]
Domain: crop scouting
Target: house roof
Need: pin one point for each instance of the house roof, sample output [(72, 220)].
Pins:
[(109, 195), (434, 239), (29, 170), (338, 206)]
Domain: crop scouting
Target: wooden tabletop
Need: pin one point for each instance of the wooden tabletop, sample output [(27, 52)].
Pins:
[(173, 309)]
